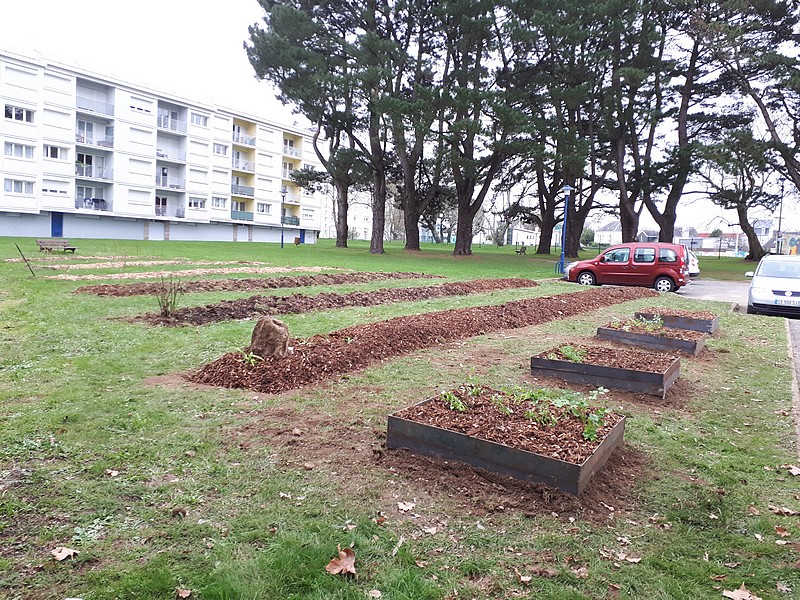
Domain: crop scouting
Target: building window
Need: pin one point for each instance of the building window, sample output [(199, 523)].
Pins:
[(16, 113), (308, 214), (18, 186), (198, 119), (161, 206), (263, 207), (55, 152), (219, 202), (240, 206), (18, 150), (221, 149), (197, 202)]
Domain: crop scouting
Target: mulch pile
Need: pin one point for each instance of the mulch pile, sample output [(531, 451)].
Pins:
[(245, 308), (243, 285), (324, 357), (677, 312), (647, 328)]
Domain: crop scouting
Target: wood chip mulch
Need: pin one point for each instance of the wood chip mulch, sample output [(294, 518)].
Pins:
[(247, 284), (245, 308), (324, 357), (637, 360), (677, 312), (637, 326)]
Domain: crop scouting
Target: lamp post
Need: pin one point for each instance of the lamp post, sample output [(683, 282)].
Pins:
[(283, 200), (567, 191)]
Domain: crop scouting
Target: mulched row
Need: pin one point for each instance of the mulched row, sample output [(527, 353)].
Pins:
[(645, 328), (604, 356), (245, 308), (324, 357), (247, 284)]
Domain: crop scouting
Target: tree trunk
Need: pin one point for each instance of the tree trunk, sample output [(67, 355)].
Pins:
[(463, 245), (757, 251), (342, 191), (411, 225), (629, 219), (378, 212)]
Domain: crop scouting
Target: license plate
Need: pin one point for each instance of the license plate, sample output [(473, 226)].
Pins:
[(787, 302)]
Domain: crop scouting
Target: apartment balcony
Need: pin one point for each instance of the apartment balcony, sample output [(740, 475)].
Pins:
[(243, 190), (172, 183), (94, 106), (176, 212), (243, 165), (168, 124), (242, 215), (171, 154), (288, 220), (292, 151), (244, 140), (92, 172), (90, 140), (100, 204)]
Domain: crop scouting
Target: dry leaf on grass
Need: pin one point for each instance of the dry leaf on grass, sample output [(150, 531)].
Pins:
[(62, 553), (741, 594), (345, 563), (781, 531), (783, 511), (523, 579), (181, 593), (374, 594)]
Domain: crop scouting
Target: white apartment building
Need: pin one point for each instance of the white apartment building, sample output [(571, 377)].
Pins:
[(88, 157)]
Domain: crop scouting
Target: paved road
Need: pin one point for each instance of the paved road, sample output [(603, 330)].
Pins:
[(734, 292)]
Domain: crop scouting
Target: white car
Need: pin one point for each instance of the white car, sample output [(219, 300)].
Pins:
[(694, 264), (775, 286)]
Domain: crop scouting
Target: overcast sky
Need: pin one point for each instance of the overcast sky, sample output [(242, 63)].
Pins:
[(194, 49), (191, 48)]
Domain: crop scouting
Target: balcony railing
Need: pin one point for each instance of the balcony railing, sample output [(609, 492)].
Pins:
[(291, 151), (287, 220), (243, 165), (172, 183), (171, 124), (94, 204), (90, 140), (169, 211), (246, 140), (242, 215), (92, 172), (242, 190), (96, 106), (171, 154)]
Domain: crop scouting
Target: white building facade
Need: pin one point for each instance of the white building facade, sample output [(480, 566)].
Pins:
[(89, 157)]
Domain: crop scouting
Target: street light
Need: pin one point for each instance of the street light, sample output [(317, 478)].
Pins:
[(566, 190), (283, 200)]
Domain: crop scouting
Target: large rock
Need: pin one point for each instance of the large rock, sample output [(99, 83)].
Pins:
[(270, 338)]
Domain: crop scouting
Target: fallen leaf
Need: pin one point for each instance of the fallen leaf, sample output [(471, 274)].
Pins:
[(396, 549), (793, 470), (180, 593), (759, 537), (523, 579), (190, 453), (719, 577), (783, 588), (374, 594), (405, 506), (783, 511), (741, 594), (781, 531), (61, 553), (345, 563), (753, 510), (713, 516), (432, 530), (112, 472), (580, 572)]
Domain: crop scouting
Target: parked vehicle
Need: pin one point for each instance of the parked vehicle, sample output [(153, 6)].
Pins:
[(658, 265), (694, 264), (775, 286)]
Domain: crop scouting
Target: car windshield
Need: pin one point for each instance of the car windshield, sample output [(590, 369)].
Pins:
[(772, 268)]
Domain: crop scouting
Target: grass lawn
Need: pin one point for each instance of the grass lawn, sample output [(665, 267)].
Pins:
[(225, 493)]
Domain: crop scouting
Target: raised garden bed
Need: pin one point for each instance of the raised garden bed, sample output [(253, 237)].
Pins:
[(650, 373), (652, 334), (704, 321), (556, 437)]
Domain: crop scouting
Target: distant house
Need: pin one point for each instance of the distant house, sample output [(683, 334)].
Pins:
[(610, 233), (647, 235)]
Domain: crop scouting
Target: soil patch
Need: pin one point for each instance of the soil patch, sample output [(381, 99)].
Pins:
[(324, 357), (677, 312), (650, 328), (246, 308), (247, 284)]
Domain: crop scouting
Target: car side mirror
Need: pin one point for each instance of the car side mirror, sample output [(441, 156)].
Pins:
[(749, 274)]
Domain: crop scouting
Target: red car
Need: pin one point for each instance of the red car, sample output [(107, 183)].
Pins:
[(658, 265)]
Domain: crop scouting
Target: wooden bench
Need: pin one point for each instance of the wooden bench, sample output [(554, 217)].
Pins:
[(520, 250), (60, 244)]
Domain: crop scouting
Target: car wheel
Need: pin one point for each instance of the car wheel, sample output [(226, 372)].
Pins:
[(664, 284), (587, 278), (751, 310)]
